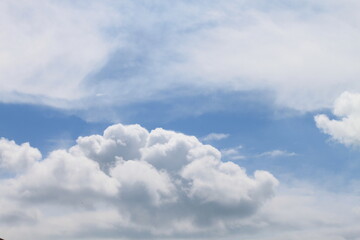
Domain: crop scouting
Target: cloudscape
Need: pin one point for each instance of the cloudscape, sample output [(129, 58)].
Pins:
[(230, 120)]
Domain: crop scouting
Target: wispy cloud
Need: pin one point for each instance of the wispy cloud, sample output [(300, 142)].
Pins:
[(233, 153), (215, 137), (230, 46), (236, 154), (51, 49), (276, 153)]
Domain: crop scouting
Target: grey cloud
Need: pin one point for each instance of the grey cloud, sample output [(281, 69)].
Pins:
[(117, 141)]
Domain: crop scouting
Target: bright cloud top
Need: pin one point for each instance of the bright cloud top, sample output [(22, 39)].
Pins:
[(135, 182), (346, 129)]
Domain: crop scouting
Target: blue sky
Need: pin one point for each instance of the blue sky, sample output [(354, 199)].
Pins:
[(100, 100), (251, 124)]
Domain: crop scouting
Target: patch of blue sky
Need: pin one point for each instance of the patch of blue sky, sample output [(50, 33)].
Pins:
[(250, 122), (43, 127), (258, 130)]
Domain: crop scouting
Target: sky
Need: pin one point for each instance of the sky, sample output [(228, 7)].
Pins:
[(229, 120)]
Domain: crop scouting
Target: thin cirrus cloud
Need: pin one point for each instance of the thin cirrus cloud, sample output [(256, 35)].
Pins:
[(235, 154), (137, 183), (101, 52), (215, 137), (276, 153)]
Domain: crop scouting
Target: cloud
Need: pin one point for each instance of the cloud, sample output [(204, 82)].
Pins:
[(241, 46), (72, 56), (235, 154), (214, 137), (276, 153), (49, 48), (282, 48), (232, 153), (120, 185), (301, 210), (17, 158), (138, 183), (345, 129)]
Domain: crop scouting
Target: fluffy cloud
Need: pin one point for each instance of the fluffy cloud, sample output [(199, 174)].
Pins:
[(63, 53), (138, 183), (64, 178), (346, 129), (17, 158)]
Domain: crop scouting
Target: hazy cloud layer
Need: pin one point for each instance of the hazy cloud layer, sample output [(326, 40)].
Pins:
[(126, 183), (303, 211), (48, 48), (103, 51)]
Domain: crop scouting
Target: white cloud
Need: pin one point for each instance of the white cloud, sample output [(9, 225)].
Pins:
[(122, 185), (346, 129), (149, 183), (249, 45), (232, 153), (302, 211), (214, 137), (235, 154), (278, 48), (48, 49), (17, 158), (212, 182), (65, 179), (56, 53), (276, 153), (138, 183)]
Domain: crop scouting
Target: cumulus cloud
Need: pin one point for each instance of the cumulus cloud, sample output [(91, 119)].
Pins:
[(138, 183), (345, 129), (17, 158)]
